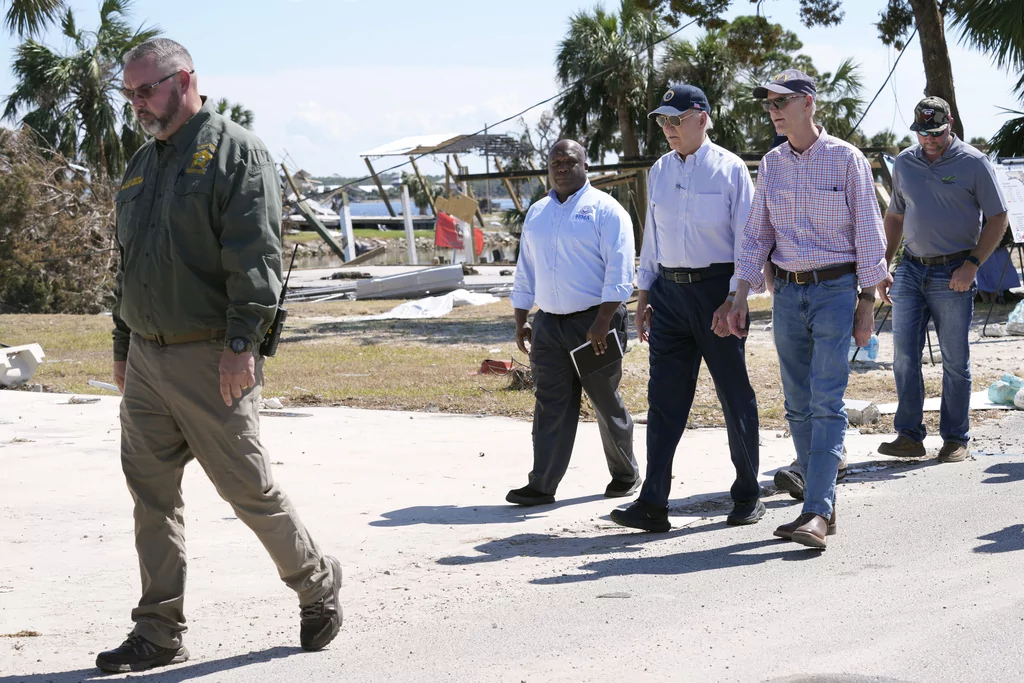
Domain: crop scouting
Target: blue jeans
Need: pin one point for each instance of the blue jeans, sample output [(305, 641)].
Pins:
[(813, 324), (920, 293)]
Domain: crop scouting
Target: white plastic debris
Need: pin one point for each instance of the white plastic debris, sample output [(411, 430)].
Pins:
[(18, 364)]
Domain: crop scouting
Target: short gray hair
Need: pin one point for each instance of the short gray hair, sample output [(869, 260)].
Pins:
[(167, 54)]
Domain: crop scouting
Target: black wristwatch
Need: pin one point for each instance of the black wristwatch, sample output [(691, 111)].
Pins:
[(973, 259), (239, 345), (866, 295)]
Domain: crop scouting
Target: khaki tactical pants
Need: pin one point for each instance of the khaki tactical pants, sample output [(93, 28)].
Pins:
[(171, 412)]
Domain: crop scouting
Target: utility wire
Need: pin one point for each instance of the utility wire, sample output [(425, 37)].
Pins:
[(884, 83), (489, 126)]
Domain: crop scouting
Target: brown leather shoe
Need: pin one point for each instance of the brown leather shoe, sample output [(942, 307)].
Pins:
[(902, 447), (953, 451), (786, 530), (812, 534)]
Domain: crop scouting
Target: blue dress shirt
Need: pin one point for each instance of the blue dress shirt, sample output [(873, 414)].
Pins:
[(696, 211), (576, 255)]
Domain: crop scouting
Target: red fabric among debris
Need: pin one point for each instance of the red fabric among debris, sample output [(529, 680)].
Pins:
[(446, 234), (478, 241)]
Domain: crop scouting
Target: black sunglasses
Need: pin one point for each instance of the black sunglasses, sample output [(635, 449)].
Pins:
[(146, 91), (676, 121), (932, 133), (778, 103)]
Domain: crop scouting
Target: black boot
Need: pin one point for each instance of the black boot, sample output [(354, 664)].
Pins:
[(138, 654)]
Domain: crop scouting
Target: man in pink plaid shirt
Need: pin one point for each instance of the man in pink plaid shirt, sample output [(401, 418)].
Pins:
[(815, 202)]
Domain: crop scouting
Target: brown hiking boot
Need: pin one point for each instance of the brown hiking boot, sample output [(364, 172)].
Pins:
[(786, 530), (953, 451), (902, 447)]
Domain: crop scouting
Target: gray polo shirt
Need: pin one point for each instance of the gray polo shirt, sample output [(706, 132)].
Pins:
[(943, 202)]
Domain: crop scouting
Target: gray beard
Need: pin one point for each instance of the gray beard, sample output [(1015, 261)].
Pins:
[(158, 125)]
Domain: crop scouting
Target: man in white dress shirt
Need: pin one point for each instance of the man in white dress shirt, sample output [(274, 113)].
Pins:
[(576, 264), (698, 200)]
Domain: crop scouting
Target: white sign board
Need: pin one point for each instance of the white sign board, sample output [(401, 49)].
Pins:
[(1011, 181)]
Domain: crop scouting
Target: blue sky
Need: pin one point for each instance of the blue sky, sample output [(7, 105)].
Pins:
[(329, 79)]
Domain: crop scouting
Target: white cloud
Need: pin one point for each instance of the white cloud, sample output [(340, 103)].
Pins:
[(324, 117)]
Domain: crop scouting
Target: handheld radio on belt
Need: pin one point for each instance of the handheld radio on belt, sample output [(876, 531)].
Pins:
[(270, 341)]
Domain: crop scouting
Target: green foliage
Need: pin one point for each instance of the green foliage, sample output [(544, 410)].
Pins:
[(51, 261), (418, 193), (709, 12), (729, 61), (606, 110), (71, 99), (29, 17), (236, 112)]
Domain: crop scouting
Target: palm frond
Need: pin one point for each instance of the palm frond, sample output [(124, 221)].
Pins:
[(29, 17)]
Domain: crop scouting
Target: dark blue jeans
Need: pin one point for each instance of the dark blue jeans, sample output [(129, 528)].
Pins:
[(680, 337), (920, 293), (813, 324)]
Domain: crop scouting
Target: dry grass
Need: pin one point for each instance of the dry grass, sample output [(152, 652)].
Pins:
[(326, 359)]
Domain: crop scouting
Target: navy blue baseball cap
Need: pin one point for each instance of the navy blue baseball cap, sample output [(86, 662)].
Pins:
[(680, 99), (789, 82)]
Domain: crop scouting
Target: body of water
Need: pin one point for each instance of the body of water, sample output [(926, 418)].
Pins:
[(379, 209)]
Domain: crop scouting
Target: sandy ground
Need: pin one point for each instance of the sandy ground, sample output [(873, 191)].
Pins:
[(444, 581)]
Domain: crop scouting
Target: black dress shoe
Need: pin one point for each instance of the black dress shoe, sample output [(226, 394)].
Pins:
[(138, 654), (321, 620), (529, 496), (621, 489), (641, 515), (742, 515)]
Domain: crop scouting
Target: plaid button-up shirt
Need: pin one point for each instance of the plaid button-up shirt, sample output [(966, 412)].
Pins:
[(818, 209)]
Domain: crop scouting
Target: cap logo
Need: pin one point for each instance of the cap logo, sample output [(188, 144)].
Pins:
[(928, 112), (668, 96), (782, 77)]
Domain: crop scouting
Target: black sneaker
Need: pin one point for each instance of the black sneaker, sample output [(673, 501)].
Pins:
[(746, 514), (621, 489), (791, 481), (641, 515), (529, 496), (321, 620), (138, 654)]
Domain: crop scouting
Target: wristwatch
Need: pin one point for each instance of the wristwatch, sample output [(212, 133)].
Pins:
[(973, 259), (240, 345), (731, 298), (866, 295)]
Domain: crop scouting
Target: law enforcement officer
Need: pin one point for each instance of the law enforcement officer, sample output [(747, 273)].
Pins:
[(942, 187), (198, 231), (576, 264), (698, 200)]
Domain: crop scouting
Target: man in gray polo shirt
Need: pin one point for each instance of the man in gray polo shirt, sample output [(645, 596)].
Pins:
[(941, 188)]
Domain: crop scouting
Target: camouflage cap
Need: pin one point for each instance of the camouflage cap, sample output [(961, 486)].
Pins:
[(931, 113)]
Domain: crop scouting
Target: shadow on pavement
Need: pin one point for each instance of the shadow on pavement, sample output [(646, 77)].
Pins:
[(1004, 541), (1006, 473), (473, 514), (171, 674), (686, 562)]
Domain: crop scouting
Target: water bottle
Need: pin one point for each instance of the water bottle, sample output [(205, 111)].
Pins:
[(869, 352)]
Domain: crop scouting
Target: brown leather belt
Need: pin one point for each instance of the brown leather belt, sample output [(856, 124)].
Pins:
[(167, 339), (688, 276), (938, 260), (809, 276)]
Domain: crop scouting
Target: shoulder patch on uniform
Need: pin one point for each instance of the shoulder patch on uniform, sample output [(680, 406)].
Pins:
[(202, 158), (137, 180)]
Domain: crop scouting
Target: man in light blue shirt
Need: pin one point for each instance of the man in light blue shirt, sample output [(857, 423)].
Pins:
[(576, 264), (698, 199)]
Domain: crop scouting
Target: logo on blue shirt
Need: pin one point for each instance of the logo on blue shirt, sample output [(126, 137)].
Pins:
[(584, 213)]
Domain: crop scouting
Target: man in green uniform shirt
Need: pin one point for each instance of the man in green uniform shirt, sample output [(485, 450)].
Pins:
[(198, 231)]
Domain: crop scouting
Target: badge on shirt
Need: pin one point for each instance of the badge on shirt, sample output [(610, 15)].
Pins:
[(202, 158), (584, 213)]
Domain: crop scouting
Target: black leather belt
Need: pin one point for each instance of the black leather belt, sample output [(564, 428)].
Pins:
[(808, 276), (938, 260), (687, 276), (166, 339)]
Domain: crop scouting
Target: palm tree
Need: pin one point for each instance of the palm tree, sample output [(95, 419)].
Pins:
[(28, 17), (72, 99), (711, 66), (602, 49), (418, 193), (839, 102), (996, 28), (237, 113)]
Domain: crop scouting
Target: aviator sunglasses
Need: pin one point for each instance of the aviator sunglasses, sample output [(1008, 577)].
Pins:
[(146, 91)]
